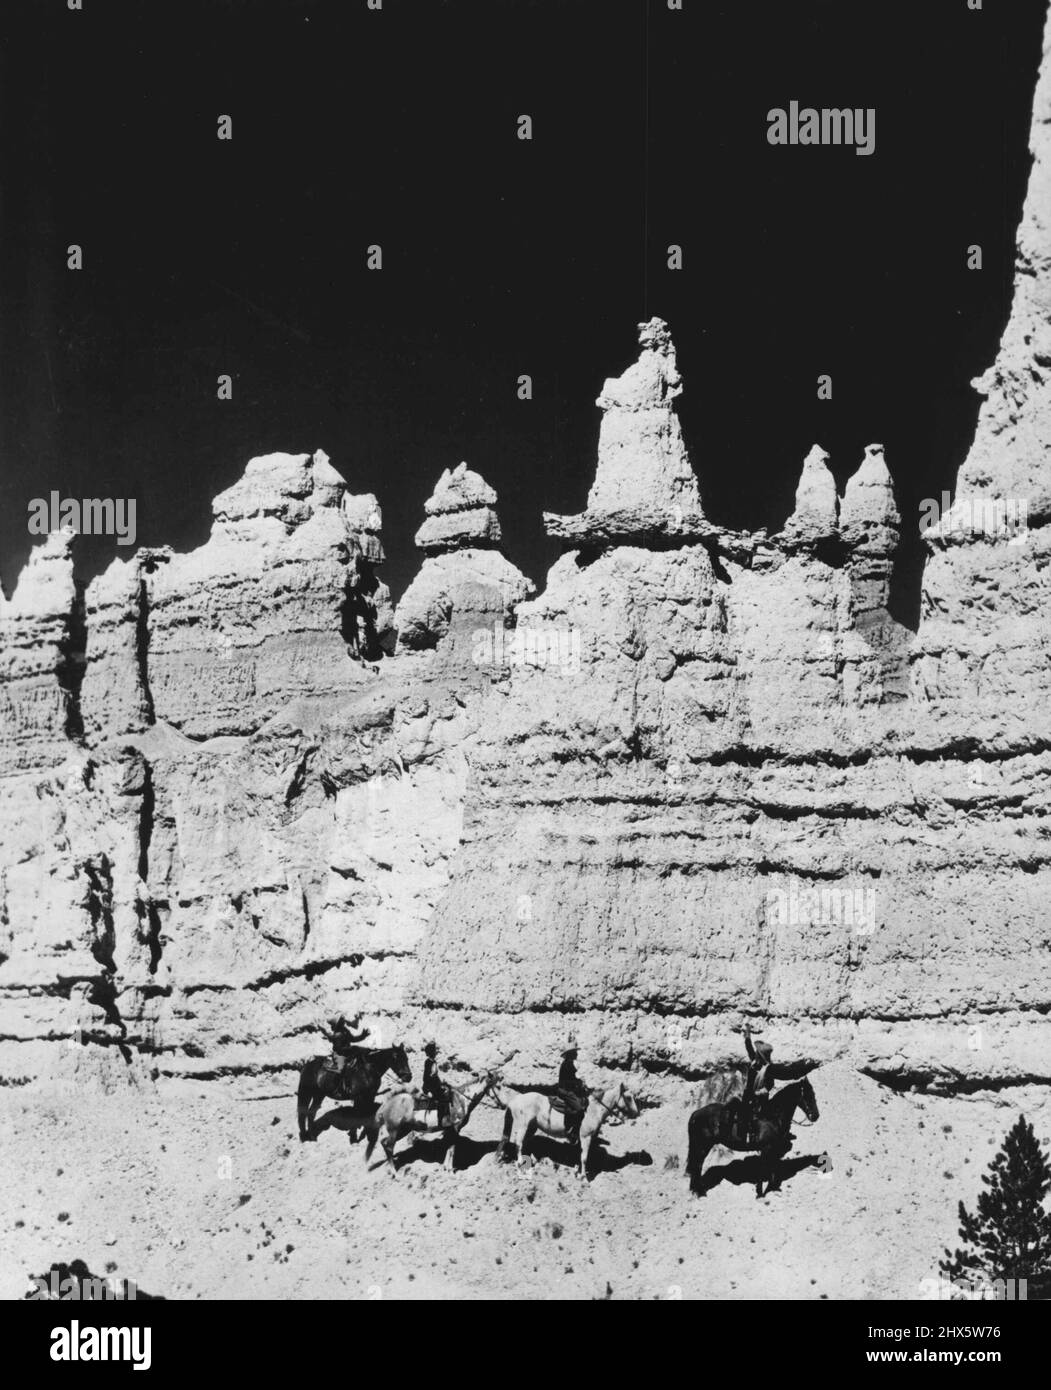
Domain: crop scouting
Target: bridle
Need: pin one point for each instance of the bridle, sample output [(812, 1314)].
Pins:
[(617, 1104), (485, 1097), (805, 1122)]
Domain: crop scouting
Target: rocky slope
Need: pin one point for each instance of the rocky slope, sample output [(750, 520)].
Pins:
[(204, 1192)]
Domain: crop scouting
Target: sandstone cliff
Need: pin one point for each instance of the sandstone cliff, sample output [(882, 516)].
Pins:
[(704, 777)]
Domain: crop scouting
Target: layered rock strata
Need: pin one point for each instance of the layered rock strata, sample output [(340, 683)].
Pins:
[(465, 593), (460, 514), (704, 777), (40, 672), (195, 871)]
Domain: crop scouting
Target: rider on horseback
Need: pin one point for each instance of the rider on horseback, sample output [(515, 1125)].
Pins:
[(571, 1091), (340, 1033), (433, 1087), (759, 1081)]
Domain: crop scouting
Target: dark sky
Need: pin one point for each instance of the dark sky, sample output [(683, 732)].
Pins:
[(501, 257)]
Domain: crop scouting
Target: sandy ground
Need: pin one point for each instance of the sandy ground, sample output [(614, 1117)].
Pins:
[(204, 1192)]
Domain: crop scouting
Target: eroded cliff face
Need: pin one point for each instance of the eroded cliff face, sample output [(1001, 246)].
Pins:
[(227, 812), (1011, 455), (704, 777), (756, 795), (751, 793)]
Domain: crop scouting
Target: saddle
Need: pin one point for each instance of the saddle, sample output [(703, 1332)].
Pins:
[(566, 1105), (341, 1067), (344, 1061), (742, 1123), (426, 1101), (343, 1070)]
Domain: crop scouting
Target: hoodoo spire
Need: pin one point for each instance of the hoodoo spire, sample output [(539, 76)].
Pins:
[(1011, 455), (645, 487)]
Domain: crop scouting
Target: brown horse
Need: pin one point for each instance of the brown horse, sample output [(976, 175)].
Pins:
[(720, 1124), (358, 1082)]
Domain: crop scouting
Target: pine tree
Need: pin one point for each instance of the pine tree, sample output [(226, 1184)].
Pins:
[(1010, 1235)]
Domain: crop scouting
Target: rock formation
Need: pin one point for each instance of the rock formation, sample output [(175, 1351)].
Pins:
[(703, 777), (815, 517), (645, 486), (266, 608), (460, 513), (1011, 454), (40, 669), (465, 589)]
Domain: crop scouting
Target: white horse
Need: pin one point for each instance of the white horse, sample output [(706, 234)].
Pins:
[(530, 1111), (402, 1114)]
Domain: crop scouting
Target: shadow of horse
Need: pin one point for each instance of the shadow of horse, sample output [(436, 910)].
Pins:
[(422, 1149), (344, 1118), (742, 1171), (564, 1155)]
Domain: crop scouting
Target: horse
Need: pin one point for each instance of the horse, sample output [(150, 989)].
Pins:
[(720, 1124), (358, 1082), (401, 1114), (528, 1111)]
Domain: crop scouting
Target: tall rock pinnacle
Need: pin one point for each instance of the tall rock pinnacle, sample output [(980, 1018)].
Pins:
[(642, 458), (645, 487), (815, 517), (868, 518), (1011, 454)]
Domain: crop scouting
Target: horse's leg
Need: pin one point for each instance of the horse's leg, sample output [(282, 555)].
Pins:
[(501, 1148), (775, 1179), (518, 1138), (449, 1157), (699, 1188), (766, 1170), (584, 1139), (388, 1141), (315, 1106), (697, 1153), (373, 1132), (302, 1113)]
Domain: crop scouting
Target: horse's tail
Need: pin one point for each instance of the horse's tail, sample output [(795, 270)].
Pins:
[(304, 1096), (305, 1080), (691, 1150)]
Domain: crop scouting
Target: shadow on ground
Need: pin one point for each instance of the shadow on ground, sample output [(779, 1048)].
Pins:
[(749, 1170)]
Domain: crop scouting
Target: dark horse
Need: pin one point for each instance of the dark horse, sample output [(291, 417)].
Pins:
[(720, 1124), (358, 1082)]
